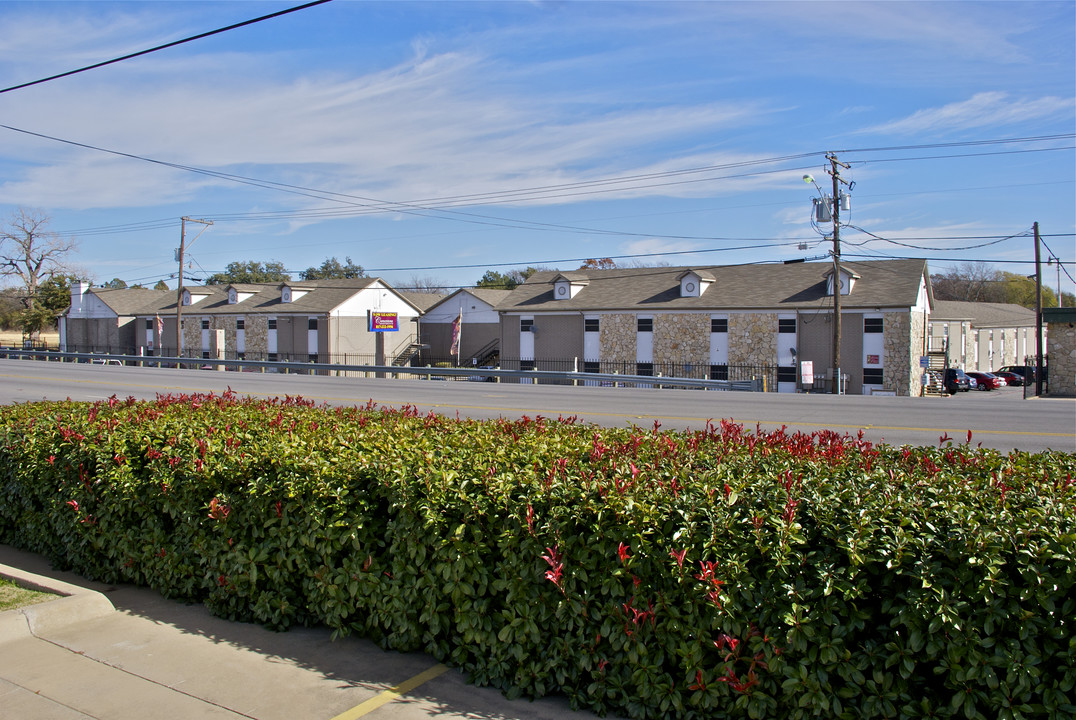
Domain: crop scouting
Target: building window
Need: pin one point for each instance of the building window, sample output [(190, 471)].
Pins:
[(786, 325), (149, 323), (644, 369), (719, 372), (273, 357), (272, 323), (241, 356), (719, 325), (312, 357), (786, 374), (526, 325), (872, 376), (592, 366), (645, 325), (312, 324), (872, 325), (205, 324), (205, 354), (591, 325), (526, 364), (240, 324)]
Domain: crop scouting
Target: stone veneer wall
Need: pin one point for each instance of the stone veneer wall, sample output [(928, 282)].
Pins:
[(227, 324), (192, 334), (682, 338), (256, 336), (752, 339), (901, 352), (1062, 368), (617, 338)]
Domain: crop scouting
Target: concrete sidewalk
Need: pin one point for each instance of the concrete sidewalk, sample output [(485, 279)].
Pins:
[(121, 652)]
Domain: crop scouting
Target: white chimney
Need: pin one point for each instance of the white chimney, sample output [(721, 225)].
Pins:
[(78, 289)]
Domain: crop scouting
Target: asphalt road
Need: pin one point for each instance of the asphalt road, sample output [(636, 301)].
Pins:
[(1001, 419)]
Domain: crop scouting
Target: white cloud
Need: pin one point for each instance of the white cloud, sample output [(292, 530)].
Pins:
[(986, 109), (425, 128)]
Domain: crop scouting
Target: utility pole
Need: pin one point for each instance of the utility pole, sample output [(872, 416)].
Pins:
[(835, 172), (1038, 314), (179, 288)]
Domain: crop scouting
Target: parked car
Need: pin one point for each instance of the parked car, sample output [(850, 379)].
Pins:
[(987, 381), (1027, 372), (1010, 378), (956, 381)]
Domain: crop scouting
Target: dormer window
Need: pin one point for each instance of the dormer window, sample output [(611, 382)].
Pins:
[(568, 285), (290, 294), (239, 293), (847, 281), (693, 283), (193, 298)]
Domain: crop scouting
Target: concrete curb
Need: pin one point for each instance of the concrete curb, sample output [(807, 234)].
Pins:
[(76, 604)]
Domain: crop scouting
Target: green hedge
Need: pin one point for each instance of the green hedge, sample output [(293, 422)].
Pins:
[(724, 573)]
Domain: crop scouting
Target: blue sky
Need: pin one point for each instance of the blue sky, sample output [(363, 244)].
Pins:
[(437, 140)]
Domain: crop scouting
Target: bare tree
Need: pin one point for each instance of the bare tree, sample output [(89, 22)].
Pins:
[(970, 281), (427, 284), (31, 252)]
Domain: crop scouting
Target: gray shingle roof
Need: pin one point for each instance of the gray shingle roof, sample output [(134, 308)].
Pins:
[(322, 296), (133, 301), (421, 300), (980, 314), (881, 283)]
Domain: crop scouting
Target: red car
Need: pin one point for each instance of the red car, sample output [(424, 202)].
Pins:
[(988, 381), (1011, 378)]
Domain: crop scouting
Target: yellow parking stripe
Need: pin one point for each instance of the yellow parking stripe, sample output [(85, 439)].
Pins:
[(391, 694)]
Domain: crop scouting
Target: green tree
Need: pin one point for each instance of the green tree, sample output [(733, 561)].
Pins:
[(161, 285), (332, 269), (115, 284), (250, 271), (509, 280), (1020, 290), (53, 297)]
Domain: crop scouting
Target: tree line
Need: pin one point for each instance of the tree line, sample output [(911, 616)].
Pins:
[(978, 282), (36, 259)]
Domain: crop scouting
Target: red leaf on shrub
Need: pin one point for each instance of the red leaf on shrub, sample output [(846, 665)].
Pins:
[(622, 552), (679, 556), (554, 559), (73, 504)]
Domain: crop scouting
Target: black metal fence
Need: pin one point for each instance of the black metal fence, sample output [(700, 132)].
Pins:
[(766, 376)]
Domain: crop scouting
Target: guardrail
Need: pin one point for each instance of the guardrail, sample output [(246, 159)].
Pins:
[(429, 373)]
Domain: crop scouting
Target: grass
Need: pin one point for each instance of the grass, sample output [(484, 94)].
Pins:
[(15, 596), (13, 338)]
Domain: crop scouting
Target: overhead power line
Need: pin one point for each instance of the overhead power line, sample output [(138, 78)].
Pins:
[(165, 46)]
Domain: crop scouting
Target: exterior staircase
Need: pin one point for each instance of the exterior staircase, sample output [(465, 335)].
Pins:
[(937, 363), (407, 354)]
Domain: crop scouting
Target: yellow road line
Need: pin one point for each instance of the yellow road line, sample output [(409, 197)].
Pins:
[(391, 694)]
